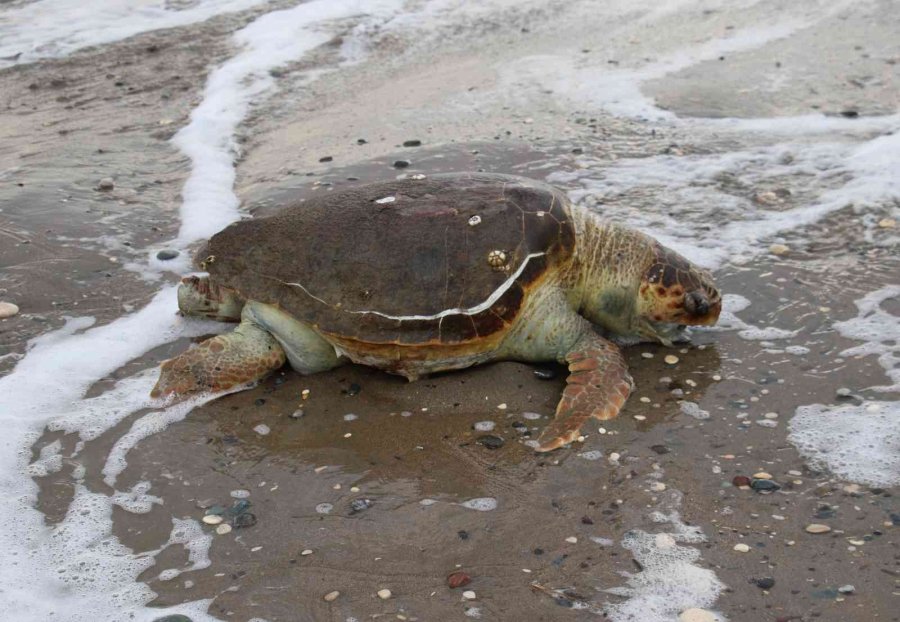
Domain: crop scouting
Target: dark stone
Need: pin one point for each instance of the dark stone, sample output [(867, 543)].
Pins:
[(577, 150), (173, 618), (850, 113), (360, 505), (463, 534), (260, 401), (244, 520), (766, 583), (660, 449), (764, 485), (538, 551), (167, 254), (412, 143), (490, 441), (545, 373), (326, 159), (586, 520), (741, 480), (216, 510), (518, 425), (361, 141), (401, 163), (239, 507), (354, 389), (564, 602), (825, 511)]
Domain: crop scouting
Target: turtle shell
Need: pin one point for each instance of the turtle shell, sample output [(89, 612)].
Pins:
[(444, 259)]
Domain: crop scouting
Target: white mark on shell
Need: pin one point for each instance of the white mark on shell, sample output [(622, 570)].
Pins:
[(498, 259), (475, 220), (386, 200)]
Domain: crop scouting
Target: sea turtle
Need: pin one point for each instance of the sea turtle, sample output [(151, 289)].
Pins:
[(434, 273)]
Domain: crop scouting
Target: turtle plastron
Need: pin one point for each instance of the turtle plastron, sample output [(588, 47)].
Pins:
[(597, 386)]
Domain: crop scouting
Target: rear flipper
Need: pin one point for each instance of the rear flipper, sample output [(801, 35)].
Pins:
[(247, 354), (597, 386)]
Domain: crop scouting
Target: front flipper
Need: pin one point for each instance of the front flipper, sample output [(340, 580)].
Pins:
[(597, 386), (248, 353)]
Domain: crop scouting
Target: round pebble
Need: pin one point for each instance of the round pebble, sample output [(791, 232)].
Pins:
[(469, 595), (297, 414), (490, 441), (324, 508), (240, 494), (779, 249), (671, 359), (657, 487), (262, 429), (223, 529), (306, 552), (741, 480), (484, 426), (817, 528), (846, 589), (458, 579), (762, 475), (212, 519), (766, 583), (167, 254), (401, 163), (106, 184), (697, 615), (242, 521), (8, 309), (173, 618), (742, 548), (331, 596), (384, 594), (572, 540)]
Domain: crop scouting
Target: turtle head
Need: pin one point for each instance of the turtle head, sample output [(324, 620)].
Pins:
[(673, 293)]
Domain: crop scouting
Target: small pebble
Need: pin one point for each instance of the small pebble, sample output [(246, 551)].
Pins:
[(741, 548), (489, 441), (384, 594), (764, 485), (306, 552), (324, 508), (262, 429), (572, 540), (166, 254), (469, 595), (844, 392), (412, 143), (401, 163), (846, 589), (331, 596), (671, 359), (212, 519), (458, 579), (223, 529), (887, 223), (242, 521), (657, 487), (326, 158), (502, 406), (484, 426), (297, 414), (106, 184), (360, 505), (8, 309), (762, 475), (817, 528), (660, 449), (779, 249), (741, 480), (173, 618), (766, 583), (697, 615)]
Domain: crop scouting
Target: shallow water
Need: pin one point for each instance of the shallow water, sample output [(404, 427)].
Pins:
[(204, 112)]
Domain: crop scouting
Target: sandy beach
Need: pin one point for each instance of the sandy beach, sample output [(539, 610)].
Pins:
[(760, 139)]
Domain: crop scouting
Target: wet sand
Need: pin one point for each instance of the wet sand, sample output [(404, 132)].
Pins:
[(412, 452)]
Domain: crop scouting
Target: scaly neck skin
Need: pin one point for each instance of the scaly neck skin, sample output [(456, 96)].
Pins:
[(606, 272)]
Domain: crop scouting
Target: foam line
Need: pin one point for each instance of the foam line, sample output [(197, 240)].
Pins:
[(55, 28)]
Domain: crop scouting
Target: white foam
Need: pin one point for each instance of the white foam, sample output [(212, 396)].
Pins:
[(860, 443), (484, 426), (671, 580), (728, 320), (879, 330), (53, 28), (137, 500), (49, 460)]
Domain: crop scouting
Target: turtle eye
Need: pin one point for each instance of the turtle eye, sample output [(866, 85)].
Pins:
[(696, 303)]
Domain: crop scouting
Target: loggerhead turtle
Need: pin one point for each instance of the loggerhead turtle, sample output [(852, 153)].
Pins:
[(429, 274)]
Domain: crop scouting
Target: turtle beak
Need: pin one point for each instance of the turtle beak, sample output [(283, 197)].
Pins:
[(702, 306), (696, 303)]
